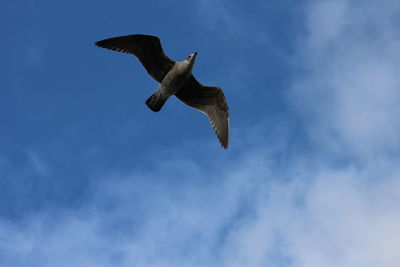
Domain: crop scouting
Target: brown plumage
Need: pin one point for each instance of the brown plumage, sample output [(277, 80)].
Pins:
[(179, 81)]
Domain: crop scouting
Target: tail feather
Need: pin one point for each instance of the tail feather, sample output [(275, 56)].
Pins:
[(156, 101)]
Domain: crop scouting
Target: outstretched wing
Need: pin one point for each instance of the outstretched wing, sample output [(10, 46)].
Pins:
[(211, 101), (146, 48)]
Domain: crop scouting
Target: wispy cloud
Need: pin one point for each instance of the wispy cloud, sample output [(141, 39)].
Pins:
[(350, 88), (245, 215)]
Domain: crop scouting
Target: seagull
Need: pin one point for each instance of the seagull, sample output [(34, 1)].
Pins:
[(175, 78)]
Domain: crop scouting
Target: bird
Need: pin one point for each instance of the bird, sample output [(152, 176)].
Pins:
[(175, 78)]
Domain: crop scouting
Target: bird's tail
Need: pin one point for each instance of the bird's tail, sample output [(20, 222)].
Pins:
[(156, 101)]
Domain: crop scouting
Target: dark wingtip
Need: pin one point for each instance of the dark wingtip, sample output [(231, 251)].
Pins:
[(100, 44), (224, 145)]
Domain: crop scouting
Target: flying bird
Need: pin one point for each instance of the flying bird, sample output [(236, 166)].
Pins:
[(175, 78)]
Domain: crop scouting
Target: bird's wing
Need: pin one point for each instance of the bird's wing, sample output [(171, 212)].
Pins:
[(146, 48), (211, 101)]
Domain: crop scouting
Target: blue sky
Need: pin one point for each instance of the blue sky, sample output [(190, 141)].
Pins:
[(89, 176)]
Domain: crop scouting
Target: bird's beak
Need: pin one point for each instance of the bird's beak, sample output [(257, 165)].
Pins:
[(195, 54)]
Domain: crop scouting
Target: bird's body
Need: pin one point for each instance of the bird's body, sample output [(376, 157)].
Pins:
[(175, 78), (171, 83)]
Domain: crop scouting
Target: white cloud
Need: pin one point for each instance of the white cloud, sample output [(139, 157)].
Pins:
[(246, 215), (336, 220), (350, 90)]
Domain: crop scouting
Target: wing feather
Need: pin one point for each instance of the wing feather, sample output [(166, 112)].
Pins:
[(146, 48), (211, 101)]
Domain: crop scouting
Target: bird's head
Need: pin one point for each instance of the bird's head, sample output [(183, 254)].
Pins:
[(191, 58)]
